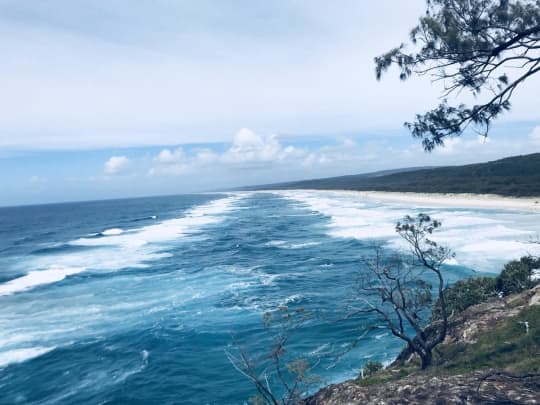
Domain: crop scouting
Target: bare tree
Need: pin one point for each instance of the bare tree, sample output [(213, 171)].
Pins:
[(277, 379), (399, 289)]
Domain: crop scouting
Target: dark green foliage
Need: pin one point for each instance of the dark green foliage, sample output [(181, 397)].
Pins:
[(516, 276), (466, 293), (469, 45), (517, 176), (506, 346), (371, 368)]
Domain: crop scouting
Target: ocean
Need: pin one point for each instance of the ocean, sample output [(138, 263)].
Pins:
[(138, 301)]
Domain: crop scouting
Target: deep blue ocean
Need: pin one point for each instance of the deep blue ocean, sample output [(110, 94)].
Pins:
[(137, 301)]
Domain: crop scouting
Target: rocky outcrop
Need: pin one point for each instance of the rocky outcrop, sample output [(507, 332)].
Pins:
[(467, 326), (459, 389), (475, 387)]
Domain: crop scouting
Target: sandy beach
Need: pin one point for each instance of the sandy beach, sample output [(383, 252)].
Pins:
[(489, 201), (442, 200)]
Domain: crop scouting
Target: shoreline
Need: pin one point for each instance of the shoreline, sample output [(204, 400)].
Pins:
[(465, 200)]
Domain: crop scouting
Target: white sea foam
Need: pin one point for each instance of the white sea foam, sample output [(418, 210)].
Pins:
[(324, 348), (241, 285), (303, 245), (276, 243), (35, 278), (268, 279), (112, 231), (292, 299), (483, 240), (91, 309), (243, 278), (144, 355), (193, 220), (239, 269), (118, 248), (21, 355), (287, 245), (54, 318)]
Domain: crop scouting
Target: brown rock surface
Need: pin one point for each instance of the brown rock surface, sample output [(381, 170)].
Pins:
[(424, 389), (479, 387)]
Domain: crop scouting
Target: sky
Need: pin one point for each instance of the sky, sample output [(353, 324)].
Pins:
[(116, 98)]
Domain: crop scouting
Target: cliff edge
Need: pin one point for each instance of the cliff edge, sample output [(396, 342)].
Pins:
[(491, 355)]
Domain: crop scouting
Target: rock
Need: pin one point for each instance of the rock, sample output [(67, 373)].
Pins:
[(477, 387), (423, 389)]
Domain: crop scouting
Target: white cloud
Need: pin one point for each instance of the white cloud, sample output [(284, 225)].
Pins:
[(177, 163), (534, 136), (283, 71), (170, 157), (310, 160), (248, 150), (154, 74), (248, 147), (481, 139), (462, 144), (205, 157), (253, 158), (170, 163), (346, 150), (116, 165), (349, 143), (169, 170), (450, 146)]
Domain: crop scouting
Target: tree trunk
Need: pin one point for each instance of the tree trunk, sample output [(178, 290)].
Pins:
[(426, 358)]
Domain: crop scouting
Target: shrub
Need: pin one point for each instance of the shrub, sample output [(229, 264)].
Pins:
[(464, 294), (515, 278), (517, 275), (371, 368)]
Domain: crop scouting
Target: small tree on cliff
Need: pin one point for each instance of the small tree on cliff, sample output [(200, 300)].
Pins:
[(278, 378), (482, 46), (400, 292)]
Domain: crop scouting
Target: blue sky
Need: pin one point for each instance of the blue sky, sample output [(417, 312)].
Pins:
[(104, 99)]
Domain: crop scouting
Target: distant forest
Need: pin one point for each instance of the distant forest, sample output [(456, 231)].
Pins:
[(517, 176)]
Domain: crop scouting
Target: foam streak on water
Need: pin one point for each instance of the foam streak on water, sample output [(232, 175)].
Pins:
[(117, 249), (482, 239), (136, 301), (20, 355), (36, 278)]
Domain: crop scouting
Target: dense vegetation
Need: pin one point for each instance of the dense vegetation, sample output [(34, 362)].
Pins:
[(517, 176), (510, 345), (516, 277), (507, 346)]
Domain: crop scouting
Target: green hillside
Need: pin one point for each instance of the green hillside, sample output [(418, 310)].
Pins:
[(514, 176)]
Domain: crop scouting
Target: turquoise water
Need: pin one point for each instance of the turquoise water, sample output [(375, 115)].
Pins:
[(136, 301)]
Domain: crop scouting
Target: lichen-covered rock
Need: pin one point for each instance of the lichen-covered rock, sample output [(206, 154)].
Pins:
[(423, 389), (478, 387)]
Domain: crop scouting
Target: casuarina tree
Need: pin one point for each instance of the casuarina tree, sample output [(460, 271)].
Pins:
[(399, 289), (486, 47)]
